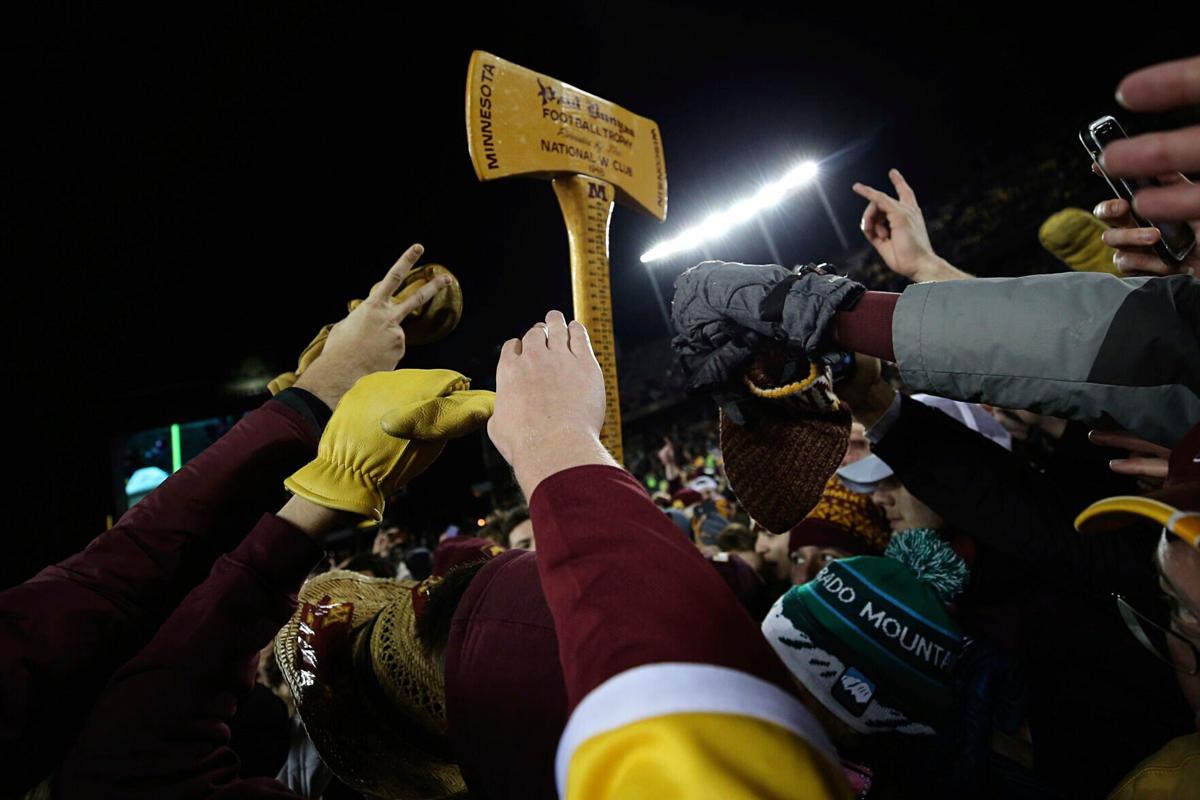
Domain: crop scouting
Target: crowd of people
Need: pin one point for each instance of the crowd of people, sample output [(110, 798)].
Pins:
[(962, 560)]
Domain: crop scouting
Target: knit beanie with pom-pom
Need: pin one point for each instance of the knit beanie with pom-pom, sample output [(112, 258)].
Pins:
[(870, 637)]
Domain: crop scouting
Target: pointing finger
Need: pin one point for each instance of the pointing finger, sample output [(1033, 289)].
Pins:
[(903, 190), (396, 275), (881, 199)]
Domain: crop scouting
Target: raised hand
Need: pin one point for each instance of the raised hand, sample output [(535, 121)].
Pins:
[(549, 402), (895, 227), (371, 337)]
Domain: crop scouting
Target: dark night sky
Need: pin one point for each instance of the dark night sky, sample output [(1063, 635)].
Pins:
[(188, 192)]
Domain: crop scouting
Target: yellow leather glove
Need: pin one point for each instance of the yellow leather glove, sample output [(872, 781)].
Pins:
[(359, 463), (285, 380), (437, 318), (1073, 237)]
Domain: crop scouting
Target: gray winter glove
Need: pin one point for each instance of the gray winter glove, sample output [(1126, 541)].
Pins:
[(725, 312)]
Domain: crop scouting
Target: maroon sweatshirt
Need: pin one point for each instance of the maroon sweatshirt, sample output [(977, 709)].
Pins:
[(161, 727), (625, 589), (64, 632)]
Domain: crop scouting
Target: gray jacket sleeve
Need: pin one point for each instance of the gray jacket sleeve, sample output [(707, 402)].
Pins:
[(1083, 346)]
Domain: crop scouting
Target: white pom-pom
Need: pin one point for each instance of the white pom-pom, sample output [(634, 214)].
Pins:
[(933, 561)]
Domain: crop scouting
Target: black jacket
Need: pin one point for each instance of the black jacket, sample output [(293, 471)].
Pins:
[(1099, 702)]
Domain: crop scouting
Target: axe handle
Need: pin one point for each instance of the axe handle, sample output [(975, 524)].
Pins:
[(587, 205)]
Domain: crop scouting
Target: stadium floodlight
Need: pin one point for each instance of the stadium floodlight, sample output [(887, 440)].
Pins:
[(721, 223)]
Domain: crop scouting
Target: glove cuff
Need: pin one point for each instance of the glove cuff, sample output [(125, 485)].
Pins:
[(339, 487)]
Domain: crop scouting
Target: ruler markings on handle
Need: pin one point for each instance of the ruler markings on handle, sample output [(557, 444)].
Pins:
[(587, 206)]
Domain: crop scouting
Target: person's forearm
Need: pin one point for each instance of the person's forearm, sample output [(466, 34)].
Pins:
[(937, 268), (1078, 346), (313, 520), (1081, 346), (867, 328), (64, 632), (161, 726), (554, 453)]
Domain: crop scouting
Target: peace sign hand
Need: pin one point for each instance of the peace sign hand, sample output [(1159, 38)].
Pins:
[(371, 337), (895, 227)]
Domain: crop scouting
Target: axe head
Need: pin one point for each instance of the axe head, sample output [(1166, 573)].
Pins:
[(523, 123)]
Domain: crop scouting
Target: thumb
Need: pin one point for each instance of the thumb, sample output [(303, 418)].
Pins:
[(441, 417)]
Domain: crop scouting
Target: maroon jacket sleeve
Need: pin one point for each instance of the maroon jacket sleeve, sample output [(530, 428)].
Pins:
[(625, 589), (867, 328), (64, 632), (160, 729)]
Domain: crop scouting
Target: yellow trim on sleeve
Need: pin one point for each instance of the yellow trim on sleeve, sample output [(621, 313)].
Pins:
[(701, 755)]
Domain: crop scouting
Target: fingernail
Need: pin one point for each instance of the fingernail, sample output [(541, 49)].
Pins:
[(1147, 237), (1104, 238), (1100, 159), (1119, 97), (1100, 210), (1116, 462)]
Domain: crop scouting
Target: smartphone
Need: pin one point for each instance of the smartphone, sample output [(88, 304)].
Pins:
[(1177, 239)]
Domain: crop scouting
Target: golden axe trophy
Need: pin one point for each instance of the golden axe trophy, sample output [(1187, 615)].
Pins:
[(593, 152)]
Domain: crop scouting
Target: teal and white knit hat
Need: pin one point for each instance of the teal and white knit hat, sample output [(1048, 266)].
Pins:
[(870, 637)]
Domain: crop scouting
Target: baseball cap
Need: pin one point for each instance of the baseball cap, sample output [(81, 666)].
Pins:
[(864, 475), (1176, 506)]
